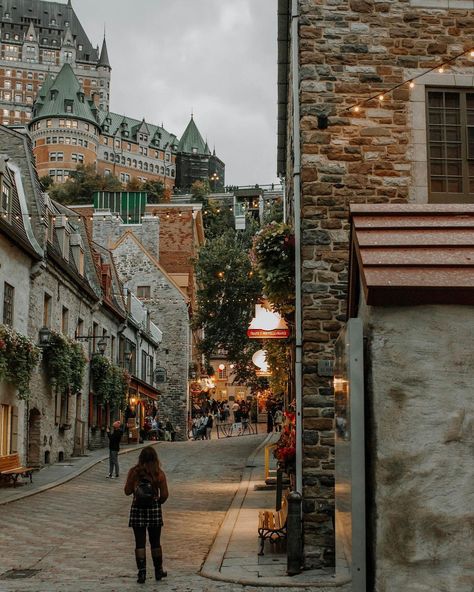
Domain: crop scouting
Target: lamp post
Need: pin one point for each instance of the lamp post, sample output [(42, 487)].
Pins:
[(44, 336)]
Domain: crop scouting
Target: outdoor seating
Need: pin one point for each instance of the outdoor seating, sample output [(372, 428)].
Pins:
[(272, 524), (11, 469)]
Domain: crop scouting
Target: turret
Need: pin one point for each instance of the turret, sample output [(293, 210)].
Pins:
[(104, 68)]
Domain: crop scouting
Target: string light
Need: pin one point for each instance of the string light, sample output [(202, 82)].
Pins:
[(440, 68)]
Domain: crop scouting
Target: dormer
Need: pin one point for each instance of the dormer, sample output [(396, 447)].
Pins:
[(5, 190), (53, 93), (77, 249), (68, 105), (106, 281), (63, 234)]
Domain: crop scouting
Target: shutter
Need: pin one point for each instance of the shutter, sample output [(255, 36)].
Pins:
[(14, 430), (91, 408)]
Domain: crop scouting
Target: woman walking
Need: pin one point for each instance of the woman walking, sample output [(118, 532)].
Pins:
[(147, 482)]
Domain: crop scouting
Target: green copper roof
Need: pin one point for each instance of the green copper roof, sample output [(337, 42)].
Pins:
[(191, 140), (63, 97), (113, 124)]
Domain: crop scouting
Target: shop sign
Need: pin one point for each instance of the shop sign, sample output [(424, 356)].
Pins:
[(267, 324)]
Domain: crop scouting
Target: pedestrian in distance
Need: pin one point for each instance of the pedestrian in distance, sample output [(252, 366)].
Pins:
[(269, 421), (209, 424), (114, 447), (146, 481), (278, 420)]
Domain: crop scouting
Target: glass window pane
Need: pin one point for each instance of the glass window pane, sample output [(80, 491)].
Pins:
[(453, 151), (435, 117), (451, 100), (436, 151), (436, 134), (470, 100), (471, 185), (453, 134), (435, 99), (437, 168), (453, 117), (471, 169), (470, 142), (454, 185), (453, 169), (438, 185)]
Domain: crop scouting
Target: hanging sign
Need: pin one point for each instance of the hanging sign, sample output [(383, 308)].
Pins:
[(267, 324), (160, 374)]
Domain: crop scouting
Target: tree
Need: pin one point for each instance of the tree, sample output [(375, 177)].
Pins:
[(81, 185), (228, 290), (155, 190)]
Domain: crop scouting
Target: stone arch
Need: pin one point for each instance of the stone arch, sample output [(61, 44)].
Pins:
[(34, 437)]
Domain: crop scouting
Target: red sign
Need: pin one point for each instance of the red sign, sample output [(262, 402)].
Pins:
[(262, 334)]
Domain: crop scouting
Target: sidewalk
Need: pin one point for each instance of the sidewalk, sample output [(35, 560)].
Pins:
[(234, 554), (58, 473)]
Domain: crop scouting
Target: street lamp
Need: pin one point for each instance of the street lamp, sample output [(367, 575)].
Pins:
[(44, 336), (102, 346)]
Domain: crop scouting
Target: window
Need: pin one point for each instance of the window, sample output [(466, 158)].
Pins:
[(49, 123), (64, 320), (8, 298), (222, 374), (143, 369), (143, 291), (450, 122), (47, 302), (80, 327), (6, 199), (7, 84)]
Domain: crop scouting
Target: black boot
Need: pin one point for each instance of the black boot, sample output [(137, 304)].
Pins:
[(157, 555), (140, 556)]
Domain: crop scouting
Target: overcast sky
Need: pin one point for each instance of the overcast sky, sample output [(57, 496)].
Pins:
[(214, 57)]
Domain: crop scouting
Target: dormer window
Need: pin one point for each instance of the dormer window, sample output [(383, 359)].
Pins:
[(5, 205), (6, 15), (53, 21), (80, 47), (54, 94), (66, 23), (68, 105)]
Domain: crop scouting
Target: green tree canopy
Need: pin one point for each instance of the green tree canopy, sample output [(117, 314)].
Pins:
[(82, 183)]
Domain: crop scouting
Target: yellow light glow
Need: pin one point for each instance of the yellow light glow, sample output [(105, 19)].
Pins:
[(259, 358), (266, 320), (381, 97), (412, 84)]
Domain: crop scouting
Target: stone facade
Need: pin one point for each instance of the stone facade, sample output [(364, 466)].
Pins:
[(139, 269), (348, 51)]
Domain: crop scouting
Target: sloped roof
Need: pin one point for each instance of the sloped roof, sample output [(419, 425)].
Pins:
[(115, 121), (65, 89), (407, 254), (104, 56), (44, 13), (192, 139)]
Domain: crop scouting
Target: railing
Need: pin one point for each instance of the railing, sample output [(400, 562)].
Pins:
[(229, 430)]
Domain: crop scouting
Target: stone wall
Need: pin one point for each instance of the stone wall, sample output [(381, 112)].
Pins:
[(168, 309), (420, 434), (350, 50)]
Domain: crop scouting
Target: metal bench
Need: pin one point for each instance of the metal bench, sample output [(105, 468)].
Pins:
[(11, 469), (272, 524)]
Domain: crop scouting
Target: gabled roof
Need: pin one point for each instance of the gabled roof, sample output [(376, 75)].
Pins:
[(406, 254), (129, 234), (191, 140), (64, 91)]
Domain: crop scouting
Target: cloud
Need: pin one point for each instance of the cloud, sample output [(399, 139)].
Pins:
[(216, 58)]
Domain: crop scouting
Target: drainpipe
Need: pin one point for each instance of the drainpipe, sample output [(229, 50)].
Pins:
[(297, 215)]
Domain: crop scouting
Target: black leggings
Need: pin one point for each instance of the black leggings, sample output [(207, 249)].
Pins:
[(154, 534)]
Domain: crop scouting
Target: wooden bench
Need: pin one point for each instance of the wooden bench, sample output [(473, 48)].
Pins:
[(272, 524), (10, 468)]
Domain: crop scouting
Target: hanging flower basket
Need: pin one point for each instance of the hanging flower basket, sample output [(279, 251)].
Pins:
[(19, 356), (65, 361)]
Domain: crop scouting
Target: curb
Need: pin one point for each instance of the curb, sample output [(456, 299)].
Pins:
[(69, 477), (215, 557)]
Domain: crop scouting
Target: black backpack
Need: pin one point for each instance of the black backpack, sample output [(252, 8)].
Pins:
[(144, 494)]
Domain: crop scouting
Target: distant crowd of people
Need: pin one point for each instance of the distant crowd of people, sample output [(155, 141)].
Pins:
[(274, 417), (210, 411), (155, 429)]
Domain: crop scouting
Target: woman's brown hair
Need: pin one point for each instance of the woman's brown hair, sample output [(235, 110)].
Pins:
[(148, 466)]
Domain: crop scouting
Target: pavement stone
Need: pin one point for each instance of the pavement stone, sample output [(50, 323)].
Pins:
[(77, 535)]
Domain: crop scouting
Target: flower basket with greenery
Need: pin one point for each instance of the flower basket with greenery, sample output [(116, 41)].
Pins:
[(19, 356), (273, 255), (65, 362), (285, 451), (110, 382)]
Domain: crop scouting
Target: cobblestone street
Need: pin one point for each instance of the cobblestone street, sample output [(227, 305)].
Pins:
[(76, 535)]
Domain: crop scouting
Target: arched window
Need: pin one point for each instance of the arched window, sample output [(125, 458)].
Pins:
[(106, 156)]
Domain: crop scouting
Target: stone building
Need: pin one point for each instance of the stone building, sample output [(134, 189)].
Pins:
[(135, 248), (58, 280), (367, 113), (37, 39)]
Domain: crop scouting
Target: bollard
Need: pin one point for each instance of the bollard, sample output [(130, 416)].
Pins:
[(294, 535)]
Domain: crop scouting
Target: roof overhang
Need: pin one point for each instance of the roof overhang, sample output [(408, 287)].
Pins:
[(411, 254)]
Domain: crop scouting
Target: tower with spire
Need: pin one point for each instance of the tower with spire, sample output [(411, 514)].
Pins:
[(195, 162), (54, 36)]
